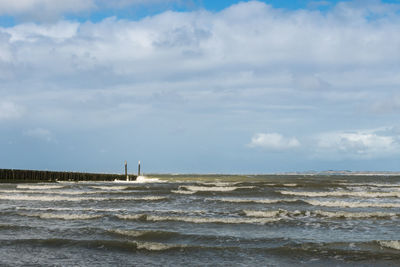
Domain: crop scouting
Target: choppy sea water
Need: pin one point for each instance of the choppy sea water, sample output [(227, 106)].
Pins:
[(176, 220)]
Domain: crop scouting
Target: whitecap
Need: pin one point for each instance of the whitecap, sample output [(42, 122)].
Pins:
[(252, 200), (194, 188), (224, 220), (153, 246), (394, 244), (348, 204), (59, 216), (353, 215), (341, 194), (110, 187), (38, 187)]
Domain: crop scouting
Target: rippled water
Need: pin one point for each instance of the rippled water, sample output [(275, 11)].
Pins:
[(203, 221)]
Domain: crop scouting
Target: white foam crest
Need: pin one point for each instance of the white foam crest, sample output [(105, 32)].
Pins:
[(353, 215), (70, 209), (183, 192), (250, 200), (219, 183), (348, 204), (64, 198), (141, 180), (131, 216), (195, 188), (341, 194), (264, 214), (110, 187), (65, 216), (394, 244), (133, 233), (153, 246), (226, 220), (52, 192), (371, 184), (38, 187), (290, 185)]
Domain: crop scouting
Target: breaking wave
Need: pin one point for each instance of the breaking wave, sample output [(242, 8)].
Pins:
[(348, 204), (354, 215), (38, 187), (153, 246), (62, 216), (63, 198), (394, 244), (141, 180), (252, 200), (342, 194), (226, 220), (320, 213), (110, 187), (194, 188)]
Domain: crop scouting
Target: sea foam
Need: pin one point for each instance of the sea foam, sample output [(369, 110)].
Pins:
[(348, 204), (38, 187), (62, 216), (342, 194), (394, 244), (214, 188), (225, 220)]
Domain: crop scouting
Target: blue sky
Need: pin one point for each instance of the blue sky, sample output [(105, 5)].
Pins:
[(200, 86)]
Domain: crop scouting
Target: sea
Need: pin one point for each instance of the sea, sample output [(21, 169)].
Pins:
[(203, 220)]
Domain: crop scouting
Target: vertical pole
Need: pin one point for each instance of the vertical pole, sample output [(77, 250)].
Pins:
[(138, 172), (126, 171)]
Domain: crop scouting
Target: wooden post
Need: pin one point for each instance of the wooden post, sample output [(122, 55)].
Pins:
[(138, 172), (126, 171)]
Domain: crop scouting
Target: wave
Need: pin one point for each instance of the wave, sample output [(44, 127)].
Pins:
[(144, 233), (194, 188), (252, 200), (226, 220), (58, 192), (393, 244), (72, 209), (219, 184), (264, 214), (353, 215), (110, 187), (65, 216), (153, 246), (38, 187), (348, 204), (329, 214), (341, 194), (141, 180), (63, 198), (371, 184), (110, 244), (183, 192)]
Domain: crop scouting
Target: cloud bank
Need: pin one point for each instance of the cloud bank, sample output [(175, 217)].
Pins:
[(205, 79)]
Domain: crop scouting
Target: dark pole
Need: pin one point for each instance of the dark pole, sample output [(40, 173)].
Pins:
[(126, 171), (138, 172)]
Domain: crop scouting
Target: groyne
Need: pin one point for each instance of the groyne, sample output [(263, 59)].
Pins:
[(28, 176)]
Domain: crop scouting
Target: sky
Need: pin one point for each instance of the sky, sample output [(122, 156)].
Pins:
[(200, 86)]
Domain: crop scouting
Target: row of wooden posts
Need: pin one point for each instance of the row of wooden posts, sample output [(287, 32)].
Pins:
[(11, 175)]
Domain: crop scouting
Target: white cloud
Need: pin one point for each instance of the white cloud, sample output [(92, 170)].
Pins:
[(273, 141), (43, 9), (359, 144), (10, 110)]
